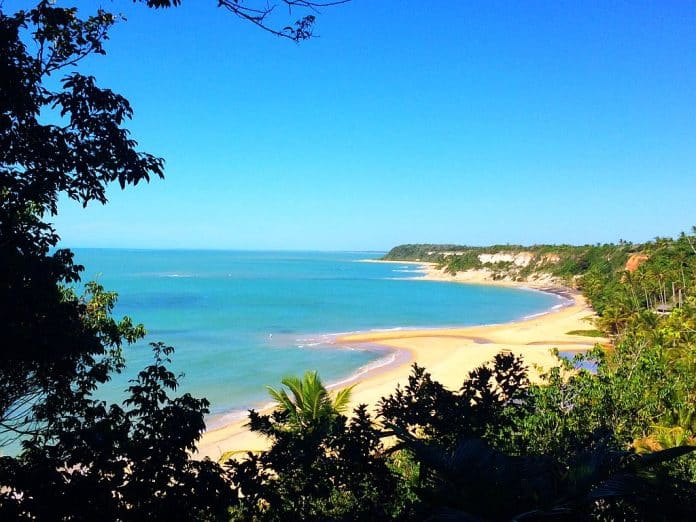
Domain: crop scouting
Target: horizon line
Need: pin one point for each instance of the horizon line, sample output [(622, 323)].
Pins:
[(222, 249)]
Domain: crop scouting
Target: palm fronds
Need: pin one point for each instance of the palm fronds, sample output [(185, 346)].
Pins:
[(309, 402)]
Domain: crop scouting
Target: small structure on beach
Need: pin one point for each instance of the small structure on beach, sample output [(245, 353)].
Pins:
[(664, 308)]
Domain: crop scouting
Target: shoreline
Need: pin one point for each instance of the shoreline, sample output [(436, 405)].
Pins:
[(447, 353), (388, 357)]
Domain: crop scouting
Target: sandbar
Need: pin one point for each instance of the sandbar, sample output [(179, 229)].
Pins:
[(449, 354)]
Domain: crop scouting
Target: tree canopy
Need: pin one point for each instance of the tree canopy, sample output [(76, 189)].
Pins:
[(62, 133)]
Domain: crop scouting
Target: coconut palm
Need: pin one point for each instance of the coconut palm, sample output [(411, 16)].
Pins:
[(311, 403)]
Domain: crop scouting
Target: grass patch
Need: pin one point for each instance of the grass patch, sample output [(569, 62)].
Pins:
[(586, 333), (235, 453)]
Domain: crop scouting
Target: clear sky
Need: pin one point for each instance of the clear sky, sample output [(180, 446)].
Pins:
[(406, 121)]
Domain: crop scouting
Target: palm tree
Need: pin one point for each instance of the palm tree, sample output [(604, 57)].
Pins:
[(311, 403)]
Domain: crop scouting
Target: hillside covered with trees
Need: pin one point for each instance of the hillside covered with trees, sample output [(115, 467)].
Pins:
[(517, 262), (648, 276)]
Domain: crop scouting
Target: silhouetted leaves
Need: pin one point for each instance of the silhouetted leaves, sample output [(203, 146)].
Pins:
[(331, 470), (260, 13), (64, 141), (93, 461), (81, 458), (484, 400)]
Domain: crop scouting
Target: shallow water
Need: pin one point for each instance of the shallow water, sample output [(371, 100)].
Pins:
[(243, 320)]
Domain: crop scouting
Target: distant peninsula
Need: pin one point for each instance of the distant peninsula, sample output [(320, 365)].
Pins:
[(555, 264)]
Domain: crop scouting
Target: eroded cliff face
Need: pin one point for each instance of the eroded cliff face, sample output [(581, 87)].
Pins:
[(484, 275), (520, 259), (519, 266), (634, 261), (506, 265)]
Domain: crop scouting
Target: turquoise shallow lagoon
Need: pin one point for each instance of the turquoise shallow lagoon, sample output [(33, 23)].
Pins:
[(242, 320)]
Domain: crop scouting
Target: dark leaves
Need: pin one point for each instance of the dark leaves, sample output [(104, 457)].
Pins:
[(335, 470), (485, 399), (49, 338), (133, 463)]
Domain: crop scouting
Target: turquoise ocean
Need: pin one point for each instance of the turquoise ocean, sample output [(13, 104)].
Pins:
[(242, 320)]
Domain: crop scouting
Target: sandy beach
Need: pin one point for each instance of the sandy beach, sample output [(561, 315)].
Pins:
[(447, 353)]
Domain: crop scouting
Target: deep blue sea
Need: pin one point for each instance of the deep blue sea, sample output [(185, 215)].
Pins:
[(242, 320)]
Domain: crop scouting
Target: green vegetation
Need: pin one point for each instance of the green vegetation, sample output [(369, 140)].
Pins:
[(419, 252), (311, 402), (329, 468), (499, 448), (586, 333), (517, 262)]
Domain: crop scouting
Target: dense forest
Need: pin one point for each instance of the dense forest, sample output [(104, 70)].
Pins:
[(610, 444)]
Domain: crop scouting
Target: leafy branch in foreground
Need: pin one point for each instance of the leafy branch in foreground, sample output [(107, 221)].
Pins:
[(560, 448), (499, 448), (92, 460), (81, 458), (49, 334), (260, 14)]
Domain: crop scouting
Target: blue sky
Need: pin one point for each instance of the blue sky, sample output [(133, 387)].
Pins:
[(406, 121)]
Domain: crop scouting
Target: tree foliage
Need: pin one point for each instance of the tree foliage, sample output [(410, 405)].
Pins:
[(499, 448), (63, 134), (330, 469), (97, 461), (311, 403), (66, 139)]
